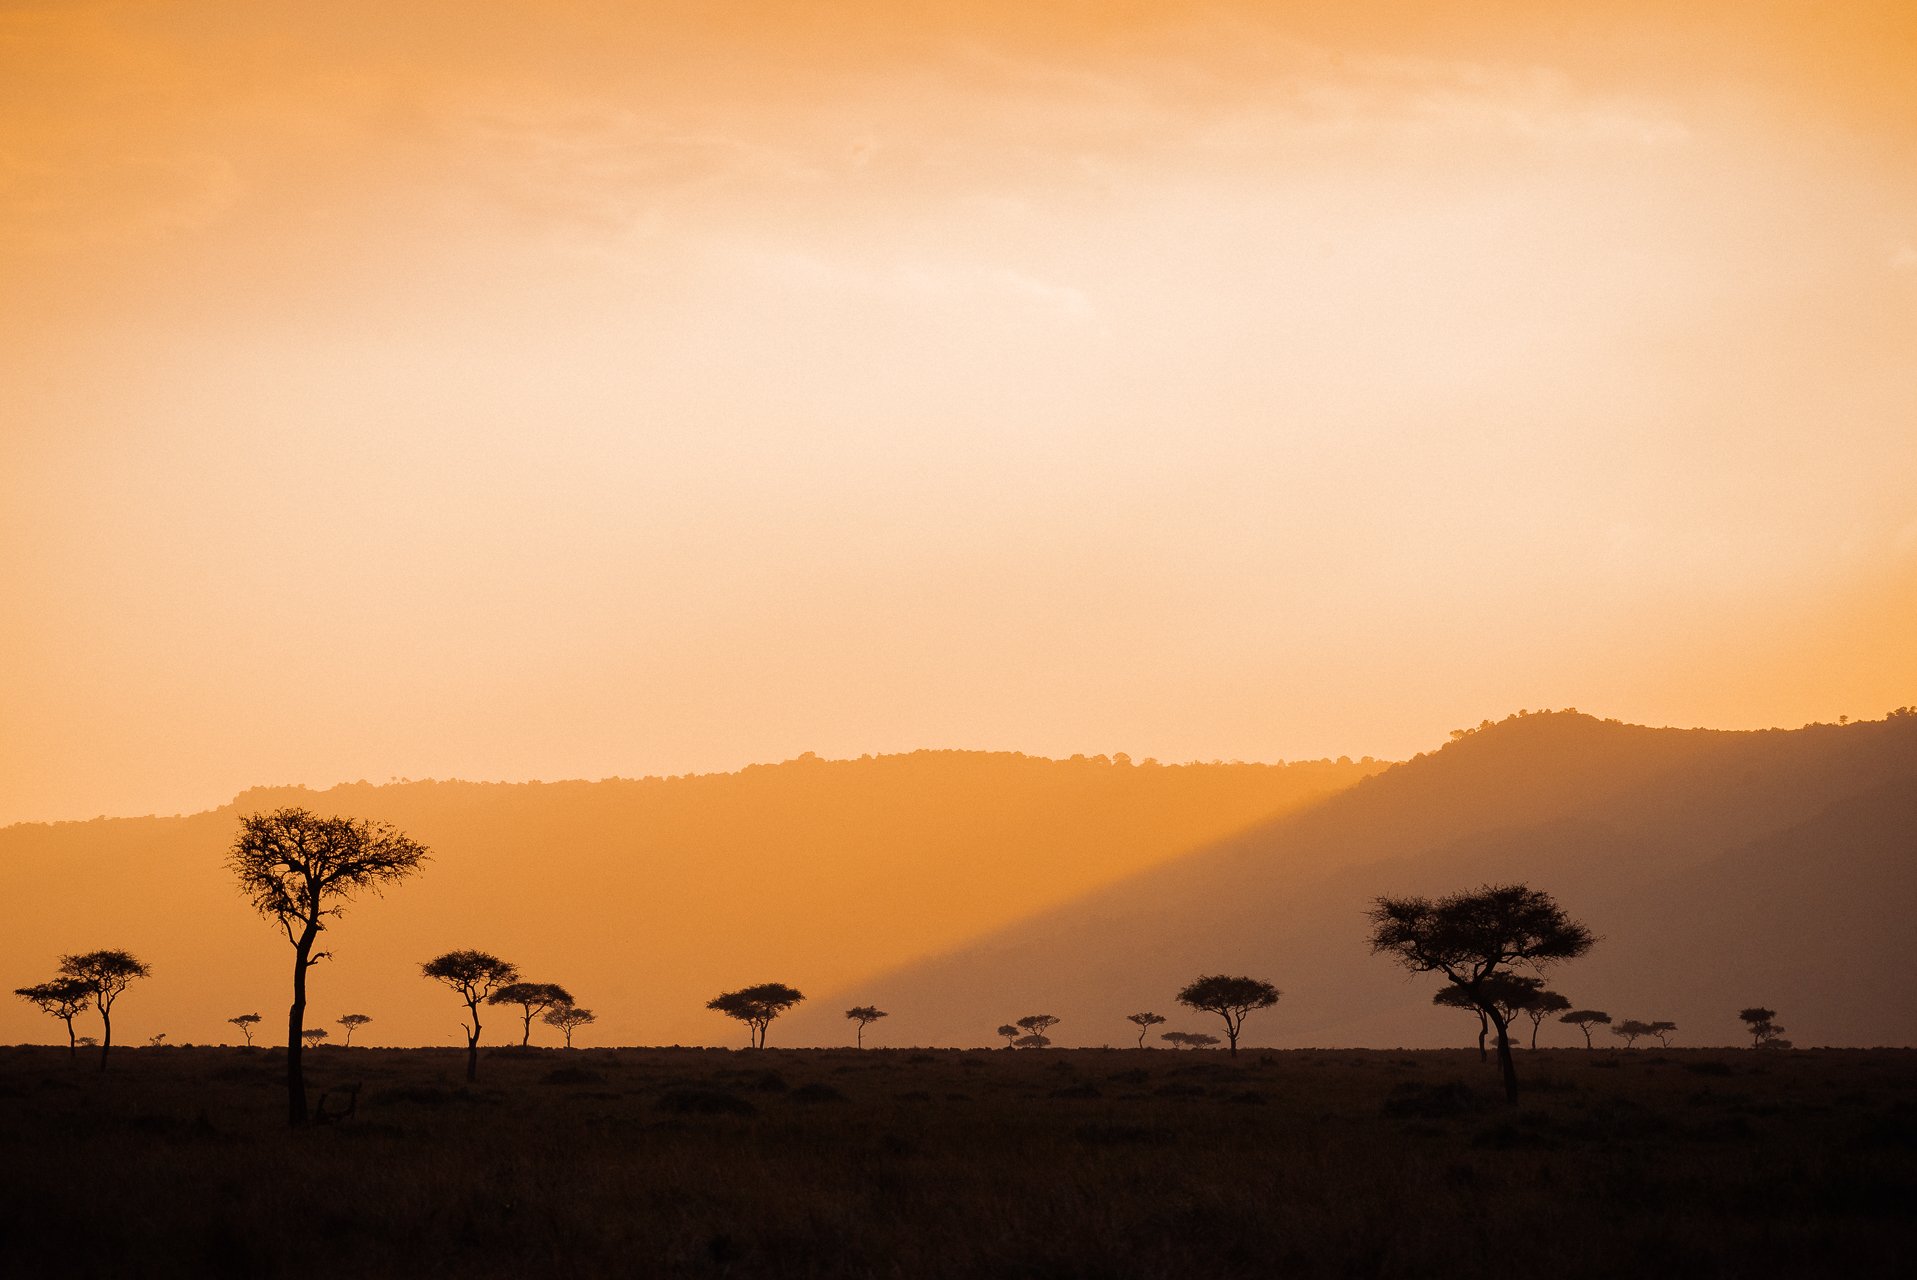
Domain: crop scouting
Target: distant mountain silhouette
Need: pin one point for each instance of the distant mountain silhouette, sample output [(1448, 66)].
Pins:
[(644, 897), (1721, 870)]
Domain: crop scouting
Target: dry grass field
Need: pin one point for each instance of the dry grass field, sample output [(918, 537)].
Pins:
[(894, 1163)]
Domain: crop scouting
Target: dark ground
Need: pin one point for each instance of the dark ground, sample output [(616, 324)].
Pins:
[(890, 1163)]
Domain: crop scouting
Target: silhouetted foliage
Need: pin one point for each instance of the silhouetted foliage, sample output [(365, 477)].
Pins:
[(1035, 1040), (756, 1007), (62, 998), (299, 870), (1231, 999), (1512, 993), (533, 998), (246, 1022), (1456, 997), (1762, 1024), (1585, 1019), (1631, 1030), (352, 1022), (865, 1015), (1037, 1024), (1145, 1022), (1010, 1033), (474, 975), (1470, 937), (1541, 1006), (105, 974), (1189, 1039), (1663, 1030), (312, 1036), (567, 1018)]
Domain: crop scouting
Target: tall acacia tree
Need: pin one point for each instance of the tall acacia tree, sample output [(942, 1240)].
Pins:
[(63, 998), (352, 1022), (533, 999), (1231, 999), (1473, 937), (299, 870), (865, 1015), (106, 974), (756, 1006), (475, 975), (246, 1022), (1144, 1022)]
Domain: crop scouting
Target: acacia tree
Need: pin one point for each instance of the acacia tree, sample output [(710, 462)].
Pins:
[(474, 975), (352, 1022), (756, 1006), (1585, 1019), (532, 998), (312, 1036), (1663, 1030), (246, 1022), (1630, 1029), (865, 1015), (1036, 1024), (1514, 993), (1145, 1022), (567, 1018), (1231, 999), (1189, 1039), (1541, 1006), (105, 974), (1010, 1032), (1762, 1024), (62, 998), (1469, 937), (1036, 1040), (299, 870)]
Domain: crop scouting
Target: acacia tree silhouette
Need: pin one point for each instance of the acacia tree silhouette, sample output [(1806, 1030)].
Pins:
[(62, 998), (1010, 1033), (1468, 936), (532, 998), (1189, 1039), (865, 1015), (474, 975), (756, 1006), (567, 1018), (1513, 992), (1585, 1019), (1663, 1030), (105, 974), (313, 1036), (1231, 999), (1035, 1025), (1631, 1029), (246, 1022), (299, 869), (1145, 1022), (1762, 1024), (1541, 1006), (352, 1022)]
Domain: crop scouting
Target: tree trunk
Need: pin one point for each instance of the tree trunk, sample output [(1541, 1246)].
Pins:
[(1231, 1034), (1534, 1033), (106, 1033), (73, 1045), (295, 1026), (525, 1035), (1484, 1027), (472, 1046), (861, 1035), (1508, 1067)]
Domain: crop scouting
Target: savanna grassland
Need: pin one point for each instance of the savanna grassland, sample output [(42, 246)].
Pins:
[(1053, 1163)]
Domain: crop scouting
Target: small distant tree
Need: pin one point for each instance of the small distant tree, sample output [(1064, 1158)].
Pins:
[(1663, 1030), (1631, 1029), (473, 976), (1513, 993), (1585, 1019), (567, 1018), (1145, 1022), (1037, 1024), (1189, 1039), (756, 1006), (865, 1015), (106, 974), (312, 1036), (155, 1040), (1468, 937), (533, 998), (1032, 1041), (1010, 1033), (299, 870), (1231, 999), (62, 998), (89, 1042), (1541, 1006), (1762, 1024), (246, 1022), (352, 1022)]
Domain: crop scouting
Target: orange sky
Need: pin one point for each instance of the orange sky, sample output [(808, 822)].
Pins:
[(554, 390)]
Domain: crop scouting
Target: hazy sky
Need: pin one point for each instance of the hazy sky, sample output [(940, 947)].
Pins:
[(550, 390)]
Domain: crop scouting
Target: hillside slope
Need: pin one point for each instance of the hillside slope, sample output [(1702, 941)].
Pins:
[(644, 897), (1721, 869)]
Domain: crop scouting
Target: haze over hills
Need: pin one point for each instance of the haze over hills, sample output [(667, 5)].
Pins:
[(1720, 869), (644, 897)]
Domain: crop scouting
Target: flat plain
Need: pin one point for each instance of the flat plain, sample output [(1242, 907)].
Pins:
[(1085, 1163)]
